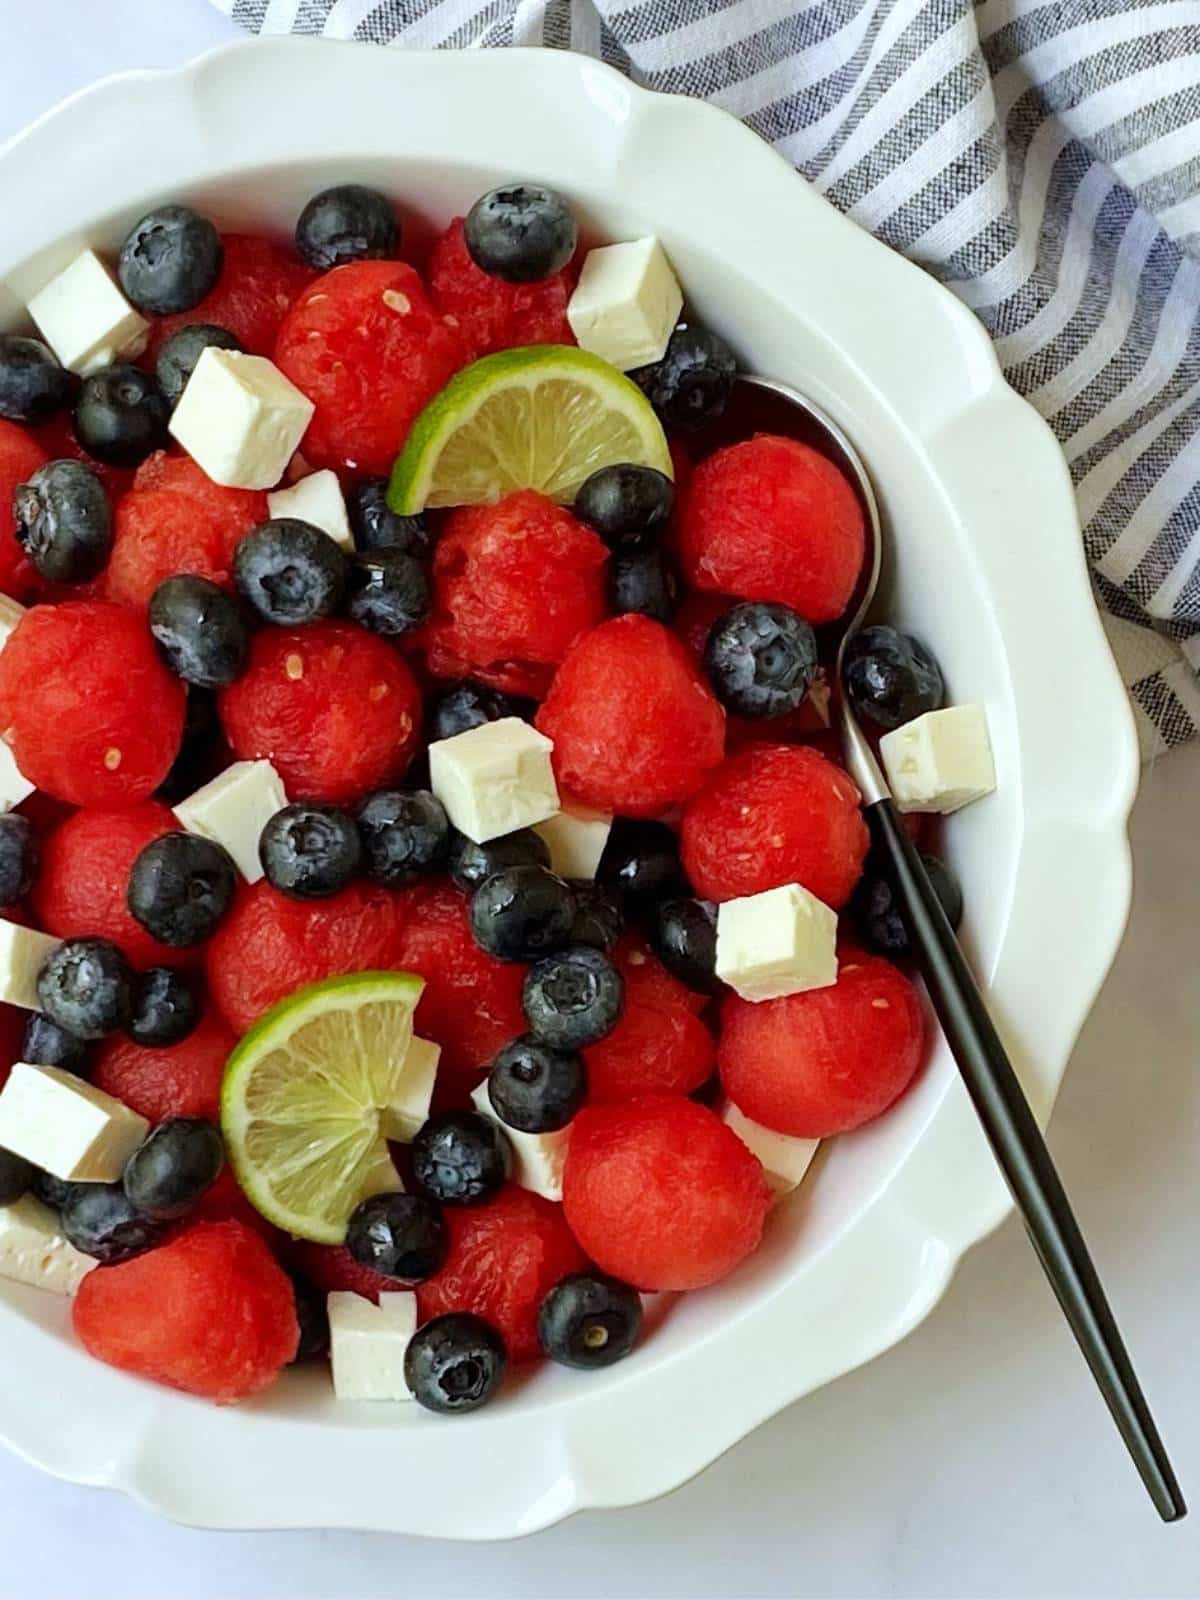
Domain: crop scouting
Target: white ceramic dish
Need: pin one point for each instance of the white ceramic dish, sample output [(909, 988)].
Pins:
[(989, 569)]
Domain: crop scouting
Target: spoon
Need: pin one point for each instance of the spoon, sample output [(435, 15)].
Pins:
[(991, 1082)]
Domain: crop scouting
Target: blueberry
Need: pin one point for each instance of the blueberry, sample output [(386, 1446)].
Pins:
[(628, 506), (18, 857), (173, 1166), (573, 998), (178, 355), (684, 936), (598, 919), (522, 233), (536, 1088), (180, 888), (310, 852), (466, 704), (459, 1158), (51, 1046), (347, 223), (32, 384), (199, 630), (201, 751), (875, 909), (644, 581), (692, 383), (761, 658), (166, 1007), (388, 592), (170, 260), (100, 1220), (589, 1320), (86, 987), (520, 913), (16, 1174), (376, 527), (51, 1191), (63, 521), (471, 863), (313, 1318), (121, 416), (290, 572), (891, 677), (404, 833), (455, 1362), (399, 1235), (641, 858)]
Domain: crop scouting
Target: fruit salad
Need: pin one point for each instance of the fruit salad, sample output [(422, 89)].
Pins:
[(434, 911)]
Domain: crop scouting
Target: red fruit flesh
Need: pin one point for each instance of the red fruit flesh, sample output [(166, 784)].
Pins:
[(492, 314), (83, 880), (367, 346), (472, 1003), (88, 708), (334, 707), (661, 1193), (20, 457), (235, 511), (331, 1267), (505, 1256), (156, 535), (258, 283), (635, 727), (268, 945), (775, 814), (659, 1043), (515, 585), (211, 1312), (827, 1060), (770, 519), (178, 1080)]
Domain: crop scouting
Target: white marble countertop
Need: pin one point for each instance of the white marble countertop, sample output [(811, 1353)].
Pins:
[(974, 1460)]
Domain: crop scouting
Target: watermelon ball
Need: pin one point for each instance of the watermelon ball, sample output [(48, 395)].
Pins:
[(161, 1081), (661, 1194), (211, 1312), (331, 1267), (367, 346), (257, 284), (20, 458), (269, 944), (771, 519), (335, 709), (90, 712), (490, 313), (159, 535), (635, 727), (659, 1042), (349, 222), (522, 233), (828, 1060), (505, 1256), (775, 814), (515, 585), (233, 511)]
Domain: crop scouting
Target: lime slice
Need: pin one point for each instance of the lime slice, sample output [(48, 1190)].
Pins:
[(302, 1097), (543, 417)]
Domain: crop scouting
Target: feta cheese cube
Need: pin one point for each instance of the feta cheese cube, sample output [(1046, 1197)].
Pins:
[(495, 778), (69, 1127), (785, 1159), (86, 320), (10, 614), (776, 943), (318, 499), (33, 1249), (368, 1343), (575, 838), (538, 1159), (233, 809), (23, 954), (626, 303), (402, 1119), (240, 419), (940, 761)]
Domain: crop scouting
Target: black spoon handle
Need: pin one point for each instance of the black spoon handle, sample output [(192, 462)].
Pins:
[(1024, 1160)]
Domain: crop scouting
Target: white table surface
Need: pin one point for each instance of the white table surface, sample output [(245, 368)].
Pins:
[(974, 1460)]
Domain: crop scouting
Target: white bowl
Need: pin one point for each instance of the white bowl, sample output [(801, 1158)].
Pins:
[(988, 569)]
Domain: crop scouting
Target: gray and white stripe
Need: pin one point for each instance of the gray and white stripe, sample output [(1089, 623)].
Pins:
[(1041, 157)]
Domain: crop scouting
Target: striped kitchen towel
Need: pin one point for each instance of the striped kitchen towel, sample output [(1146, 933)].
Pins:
[(1041, 157)]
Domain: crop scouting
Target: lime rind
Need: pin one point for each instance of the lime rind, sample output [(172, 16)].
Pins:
[(540, 417)]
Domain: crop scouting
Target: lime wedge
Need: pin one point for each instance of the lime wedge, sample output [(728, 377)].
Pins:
[(302, 1097), (542, 417)]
